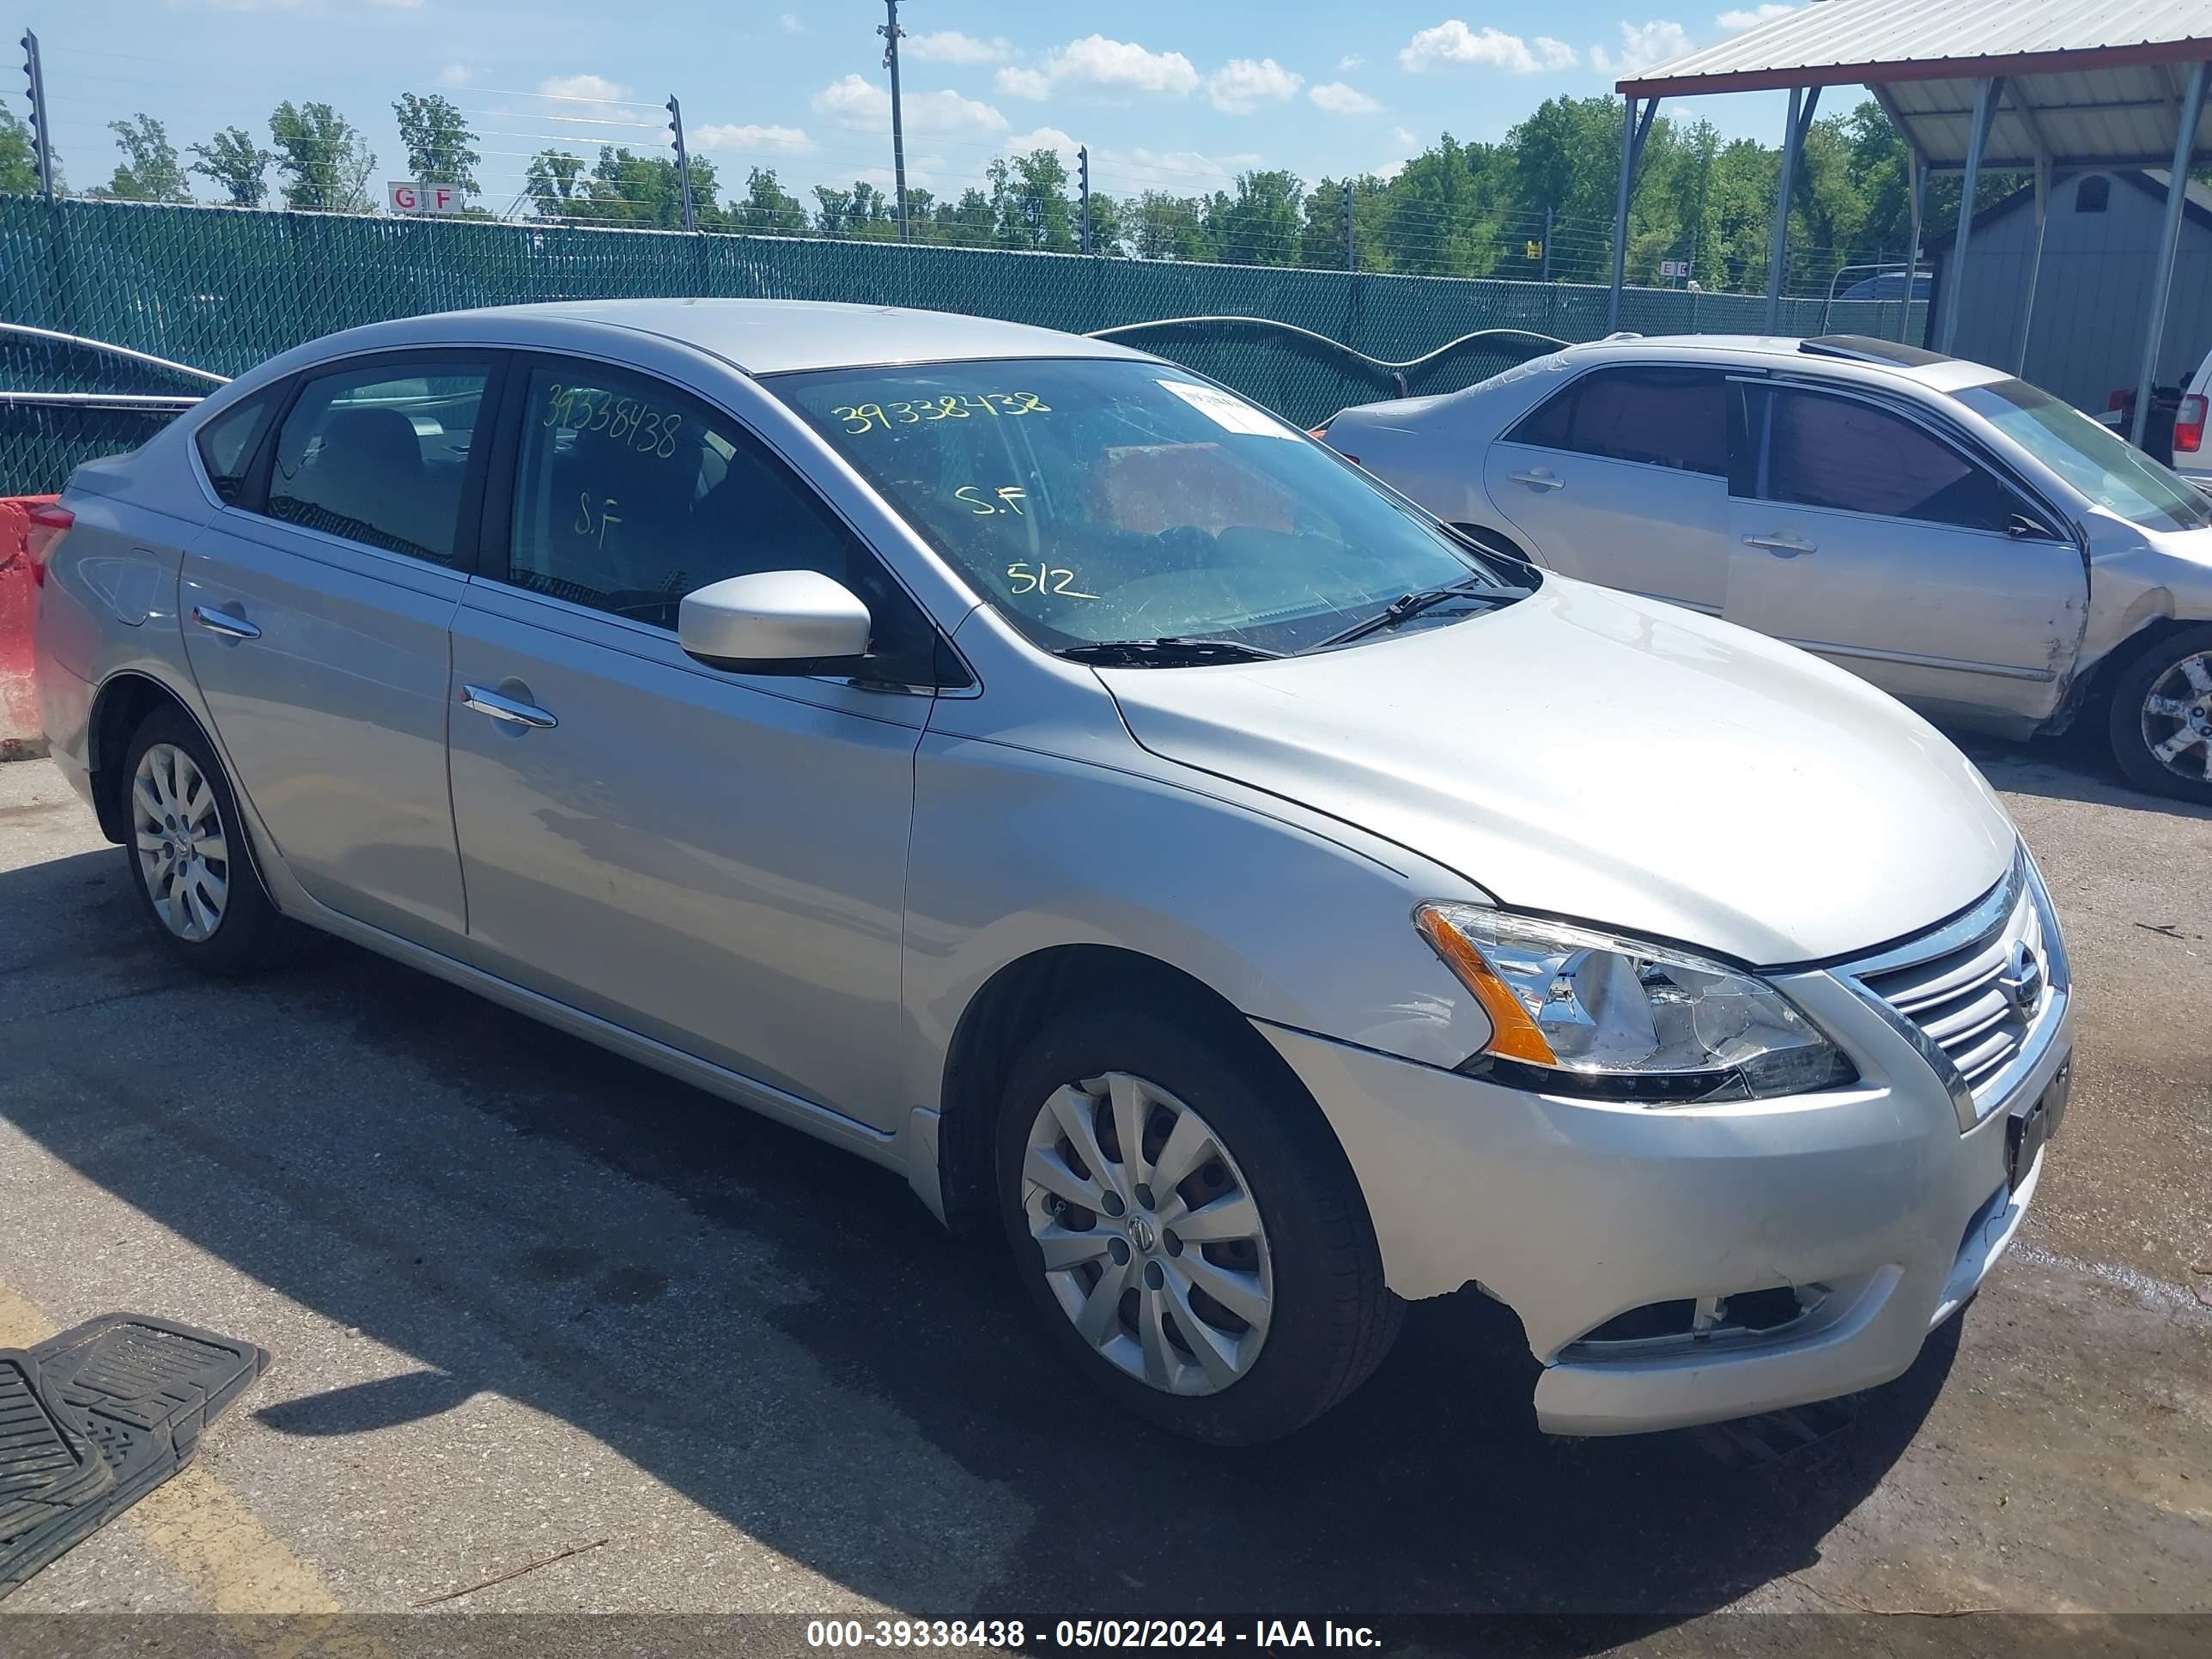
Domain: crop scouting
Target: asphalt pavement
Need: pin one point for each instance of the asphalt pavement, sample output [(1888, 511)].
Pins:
[(525, 1299)]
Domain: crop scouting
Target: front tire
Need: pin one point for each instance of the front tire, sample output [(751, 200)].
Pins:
[(2160, 725), (1187, 1227), (186, 849)]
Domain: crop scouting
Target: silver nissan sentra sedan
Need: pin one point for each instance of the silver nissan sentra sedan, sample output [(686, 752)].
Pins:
[(1031, 766)]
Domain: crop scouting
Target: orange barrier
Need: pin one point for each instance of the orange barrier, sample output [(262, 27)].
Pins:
[(20, 736)]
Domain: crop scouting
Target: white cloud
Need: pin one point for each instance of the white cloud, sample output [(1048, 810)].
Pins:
[(1175, 171), (950, 46), (1403, 137), (1339, 99), (583, 88), (1751, 17), (1052, 138), (857, 101), (922, 172), (1642, 46), (456, 75), (1097, 61), (1241, 85), (790, 24), (787, 141), (1350, 60), (1452, 42)]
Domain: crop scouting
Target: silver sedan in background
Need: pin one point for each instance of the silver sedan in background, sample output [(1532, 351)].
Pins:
[(1962, 539), (1036, 769)]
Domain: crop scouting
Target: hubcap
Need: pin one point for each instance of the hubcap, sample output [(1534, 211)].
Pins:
[(2177, 719), (1152, 1244), (183, 857)]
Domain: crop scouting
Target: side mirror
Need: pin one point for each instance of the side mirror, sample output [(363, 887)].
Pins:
[(776, 621)]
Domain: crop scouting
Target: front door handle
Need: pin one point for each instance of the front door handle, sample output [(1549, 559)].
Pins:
[(1787, 546), (1538, 479), (485, 700), (224, 622)]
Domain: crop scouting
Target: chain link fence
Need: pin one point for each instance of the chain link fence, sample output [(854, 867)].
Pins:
[(224, 289)]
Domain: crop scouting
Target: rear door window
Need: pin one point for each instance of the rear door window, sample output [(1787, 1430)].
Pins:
[(380, 454), (1676, 419), (1852, 457)]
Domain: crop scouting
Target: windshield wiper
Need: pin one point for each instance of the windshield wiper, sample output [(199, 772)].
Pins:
[(1406, 606), (1168, 652)]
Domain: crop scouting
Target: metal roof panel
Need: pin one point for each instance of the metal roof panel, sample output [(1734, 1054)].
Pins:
[(1839, 42)]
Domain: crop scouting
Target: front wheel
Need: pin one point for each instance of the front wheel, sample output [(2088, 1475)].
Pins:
[(1187, 1227), (2161, 724)]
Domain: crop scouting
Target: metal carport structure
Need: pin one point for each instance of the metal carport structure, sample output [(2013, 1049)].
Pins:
[(2027, 86)]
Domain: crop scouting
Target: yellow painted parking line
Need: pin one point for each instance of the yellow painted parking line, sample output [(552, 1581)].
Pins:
[(231, 1562), (21, 1325)]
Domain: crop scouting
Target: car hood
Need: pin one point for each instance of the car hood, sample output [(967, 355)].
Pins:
[(1615, 760)]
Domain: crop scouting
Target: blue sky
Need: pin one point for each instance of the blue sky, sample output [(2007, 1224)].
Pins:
[(1173, 96)]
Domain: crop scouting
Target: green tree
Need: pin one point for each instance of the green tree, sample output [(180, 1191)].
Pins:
[(236, 164), (1444, 219), (557, 184), (325, 162), (439, 144), (1030, 202), (19, 167), (965, 223), (1260, 225), (150, 170), (767, 206), (1160, 226)]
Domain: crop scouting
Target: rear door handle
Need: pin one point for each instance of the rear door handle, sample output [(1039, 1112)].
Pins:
[(1539, 480), (224, 622), (1785, 545), (485, 700)]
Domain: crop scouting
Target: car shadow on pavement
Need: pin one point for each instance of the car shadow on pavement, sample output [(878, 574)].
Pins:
[(781, 1334)]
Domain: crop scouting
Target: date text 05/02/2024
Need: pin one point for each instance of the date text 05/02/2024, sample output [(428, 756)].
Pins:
[(1078, 1633)]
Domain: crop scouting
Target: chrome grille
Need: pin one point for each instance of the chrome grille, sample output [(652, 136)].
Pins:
[(1977, 992), (1976, 1003)]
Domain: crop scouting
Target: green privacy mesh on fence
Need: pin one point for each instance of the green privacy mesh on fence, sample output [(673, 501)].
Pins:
[(224, 289)]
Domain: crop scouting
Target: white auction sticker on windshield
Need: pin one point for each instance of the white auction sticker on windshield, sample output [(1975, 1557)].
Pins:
[(1227, 412)]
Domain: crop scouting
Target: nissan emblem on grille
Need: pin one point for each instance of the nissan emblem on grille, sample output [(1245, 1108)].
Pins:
[(2022, 979)]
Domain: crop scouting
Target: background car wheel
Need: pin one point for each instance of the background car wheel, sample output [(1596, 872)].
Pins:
[(2161, 716), (188, 860), (1187, 1226)]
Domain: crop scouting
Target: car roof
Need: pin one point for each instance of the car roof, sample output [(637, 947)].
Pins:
[(773, 337), (1842, 352)]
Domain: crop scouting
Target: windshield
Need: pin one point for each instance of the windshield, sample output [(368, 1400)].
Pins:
[(1100, 499), (2096, 461)]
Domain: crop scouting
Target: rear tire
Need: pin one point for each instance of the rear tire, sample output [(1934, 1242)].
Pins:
[(1243, 1157), (2161, 722), (186, 846)]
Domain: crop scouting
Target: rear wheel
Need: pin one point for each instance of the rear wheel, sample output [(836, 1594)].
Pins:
[(2160, 725), (1187, 1227), (188, 859)]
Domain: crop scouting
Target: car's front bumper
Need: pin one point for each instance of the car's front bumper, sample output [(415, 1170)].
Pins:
[(1870, 1202)]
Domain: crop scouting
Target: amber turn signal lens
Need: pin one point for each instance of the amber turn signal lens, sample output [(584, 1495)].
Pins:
[(1513, 1034)]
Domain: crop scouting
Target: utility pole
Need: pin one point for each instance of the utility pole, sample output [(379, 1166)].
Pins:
[(1083, 189), (42, 143), (683, 160), (892, 32), (1547, 242), (1351, 252)]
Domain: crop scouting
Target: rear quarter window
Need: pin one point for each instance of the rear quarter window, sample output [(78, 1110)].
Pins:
[(229, 442)]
